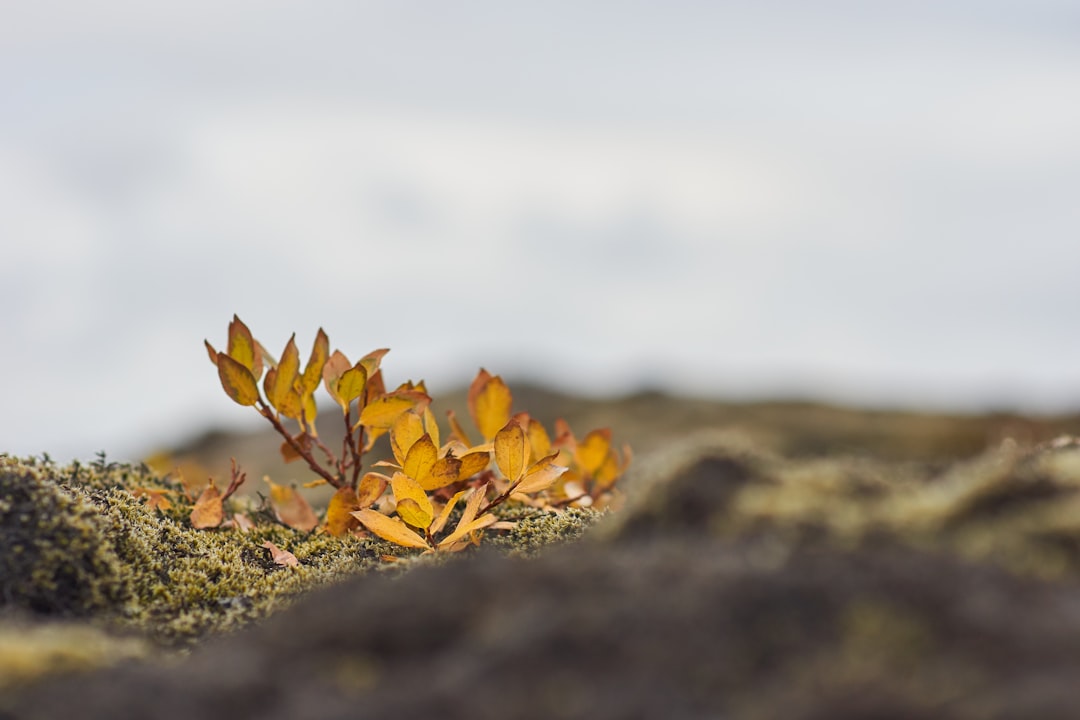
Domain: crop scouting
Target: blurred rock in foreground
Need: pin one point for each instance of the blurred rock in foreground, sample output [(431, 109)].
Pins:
[(736, 583)]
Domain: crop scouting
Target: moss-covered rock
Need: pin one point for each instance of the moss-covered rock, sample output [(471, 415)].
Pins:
[(55, 558)]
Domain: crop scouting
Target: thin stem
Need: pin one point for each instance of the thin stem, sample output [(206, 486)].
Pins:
[(297, 447)]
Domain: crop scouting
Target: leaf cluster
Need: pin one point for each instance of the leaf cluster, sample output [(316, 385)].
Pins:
[(411, 499)]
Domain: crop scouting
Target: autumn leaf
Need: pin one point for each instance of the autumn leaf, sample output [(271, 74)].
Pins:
[(370, 362), (320, 353), (463, 530), (370, 488), (155, 499), (208, 511), (593, 450), (445, 471), (211, 351), (540, 476), (539, 440), (339, 519), (389, 529), (291, 507), (490, 403), (420, 458), (283, 385), (379, 415), (456, 431), (407, 429), (241, 347), (350, 386), (281, 557), (512, 451), (237, 380), (440, 522), (335, 367), (473, 463), (413, 504)]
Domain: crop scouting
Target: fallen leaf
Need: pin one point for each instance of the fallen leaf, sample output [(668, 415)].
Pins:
[(208, 511), (279, 556), (339, 519), (291, 507)]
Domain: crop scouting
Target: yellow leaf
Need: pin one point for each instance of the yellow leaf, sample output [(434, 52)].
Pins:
[(593, 450), (318, 482), (208, 511), (512, 451), (285, 378), (394, 530), (291, 507), (540, 476), (320, 352), (431, 426), (381, 412), (241, 346), (463, 529), (539, 440), (608, 472), (291, 405), (370, 488), (420, 458), (472, 505), (335, 366), (279, 556), (339, 519), (473, 463), (445, 471), (491, 407), (237, 380), (407, 429), (444, 515), (370, 362), (350, 386), (456, 431), (414, 507), (309, 412)]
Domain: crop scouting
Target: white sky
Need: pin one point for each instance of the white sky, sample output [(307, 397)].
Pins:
[(864, 201)]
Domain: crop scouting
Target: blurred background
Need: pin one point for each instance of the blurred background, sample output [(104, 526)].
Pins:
[(874, 204)]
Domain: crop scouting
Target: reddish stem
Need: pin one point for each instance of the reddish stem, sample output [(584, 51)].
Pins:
[(318, 469)]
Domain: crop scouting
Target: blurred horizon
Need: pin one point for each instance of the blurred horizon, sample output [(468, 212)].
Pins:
[(867, 204)]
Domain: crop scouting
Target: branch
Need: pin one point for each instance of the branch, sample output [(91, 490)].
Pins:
[(318, 469)]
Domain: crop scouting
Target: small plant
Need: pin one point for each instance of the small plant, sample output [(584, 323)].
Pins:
[(411, 503)]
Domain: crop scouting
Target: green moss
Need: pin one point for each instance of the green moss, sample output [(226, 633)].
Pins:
[(84, 545)]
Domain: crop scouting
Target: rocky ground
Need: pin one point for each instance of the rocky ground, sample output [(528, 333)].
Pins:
[(745, 578)]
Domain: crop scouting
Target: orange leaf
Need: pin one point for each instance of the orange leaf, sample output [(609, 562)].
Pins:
[(540, 476), (208, 511), (413, 504), (237, 380), (512, 451), (211, 351), (289, 454), (155, 498), (375, 387), (241, 347), (394, 530), (473, 463), (407, 429), (491, 407), (539, 440), (291, 507), (279, 556), (420, 458), (593, 450), (445, 471), (320, 352), (339, 519), (371, 487), (381, 412)]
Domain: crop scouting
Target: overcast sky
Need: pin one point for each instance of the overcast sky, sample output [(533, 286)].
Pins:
[(864, 201)]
